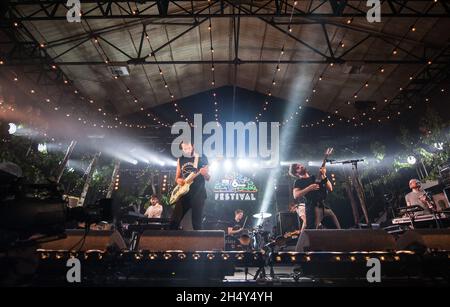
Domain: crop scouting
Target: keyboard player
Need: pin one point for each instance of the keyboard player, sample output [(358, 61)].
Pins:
[(418, 197), (155, 209)]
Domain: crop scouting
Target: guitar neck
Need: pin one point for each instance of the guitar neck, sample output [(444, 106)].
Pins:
[(193, 177), (323, 165)]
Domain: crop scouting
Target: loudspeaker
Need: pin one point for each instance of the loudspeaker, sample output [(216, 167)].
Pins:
[(421, 239), (287, 222), (187, 241), (345, 240), (95, 239)]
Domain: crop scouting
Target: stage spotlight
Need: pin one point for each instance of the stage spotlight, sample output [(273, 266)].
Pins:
[(242, 164), (214, 166), (42, 148), (135, 162), (171, 162), (12, 128), (310, 163), (162, 163), (412, 160), (228, 165)]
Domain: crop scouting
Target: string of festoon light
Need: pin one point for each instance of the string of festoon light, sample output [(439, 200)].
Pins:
[(127, 90), (52, 103), (213, 77), (277, 68), (332, 120), (117, 123), (308, 98), (33, 91), (175, 105)]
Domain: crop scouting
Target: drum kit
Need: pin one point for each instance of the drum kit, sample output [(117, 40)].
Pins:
[(253, 238)]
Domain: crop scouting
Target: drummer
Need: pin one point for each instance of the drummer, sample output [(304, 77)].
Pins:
[(237, 226)]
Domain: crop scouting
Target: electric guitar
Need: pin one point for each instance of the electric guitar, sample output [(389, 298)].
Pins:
[(321, 193), (181, 190)]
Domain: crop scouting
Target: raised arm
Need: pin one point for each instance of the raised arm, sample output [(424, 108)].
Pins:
[(298, 193), (178, 178)]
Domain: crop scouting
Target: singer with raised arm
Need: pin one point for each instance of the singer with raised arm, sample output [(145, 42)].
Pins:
[(190, 193), (312, 192)]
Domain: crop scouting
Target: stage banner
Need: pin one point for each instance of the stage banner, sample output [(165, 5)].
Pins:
[(233, 187)]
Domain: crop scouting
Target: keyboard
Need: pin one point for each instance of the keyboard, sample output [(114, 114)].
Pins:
[(421, 218)]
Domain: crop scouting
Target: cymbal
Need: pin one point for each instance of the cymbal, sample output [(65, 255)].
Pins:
[(262, 215)]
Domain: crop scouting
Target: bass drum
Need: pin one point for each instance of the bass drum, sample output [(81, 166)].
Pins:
[(243, 242)]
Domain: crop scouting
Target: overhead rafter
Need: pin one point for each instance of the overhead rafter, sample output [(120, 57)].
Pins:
[(25, 61), (256, 8), (156, 9), (422, 84)]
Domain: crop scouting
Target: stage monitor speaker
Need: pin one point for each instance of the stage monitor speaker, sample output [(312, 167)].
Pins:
[(287, 222), (422, 239), (345, 240), (94, 240), (187, 241)]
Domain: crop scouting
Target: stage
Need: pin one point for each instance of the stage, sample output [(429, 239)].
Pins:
[(333, 258), (262, 143)]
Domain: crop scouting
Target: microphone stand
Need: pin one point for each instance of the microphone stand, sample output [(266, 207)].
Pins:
[(432, 207), (358, 186)]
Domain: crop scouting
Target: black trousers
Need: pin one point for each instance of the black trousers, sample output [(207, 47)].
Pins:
[(315, 212), (193, 201), (310, 212)]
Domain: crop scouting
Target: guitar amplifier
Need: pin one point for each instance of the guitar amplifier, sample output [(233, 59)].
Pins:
[(287, 222)]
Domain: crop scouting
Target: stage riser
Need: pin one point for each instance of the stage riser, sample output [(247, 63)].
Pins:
[(187, 241), (94, 240), (420, 239), (309, 240), (345, 240)]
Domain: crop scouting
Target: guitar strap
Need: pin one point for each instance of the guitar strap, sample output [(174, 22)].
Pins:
[(196, 160)]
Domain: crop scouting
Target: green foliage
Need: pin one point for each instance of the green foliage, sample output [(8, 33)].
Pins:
[(36, 166), (165, 199), (432, 130), (378, 150)]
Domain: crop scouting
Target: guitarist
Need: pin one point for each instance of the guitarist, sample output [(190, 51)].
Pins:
[(304, 189), (188, 163)]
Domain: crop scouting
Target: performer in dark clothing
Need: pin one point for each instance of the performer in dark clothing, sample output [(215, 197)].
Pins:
[(304, 188), (189, 163), (237, 226)]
